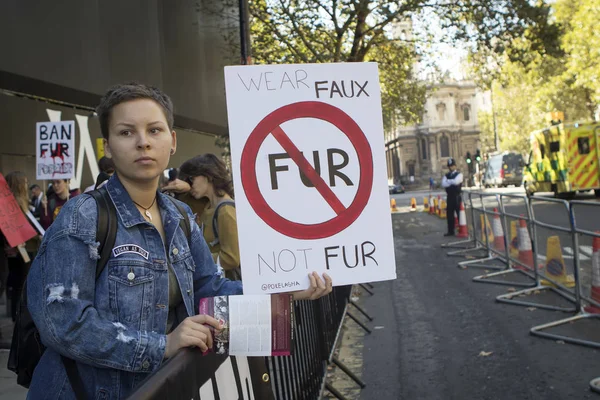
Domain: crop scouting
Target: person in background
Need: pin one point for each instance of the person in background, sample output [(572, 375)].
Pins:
[(35, 204), (431, 183), (107, 169), (17, 267), (208, 177), (52, 204), (181, 191), (452, 182)]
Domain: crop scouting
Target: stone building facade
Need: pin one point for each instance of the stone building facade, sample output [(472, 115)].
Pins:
[(449, 129)]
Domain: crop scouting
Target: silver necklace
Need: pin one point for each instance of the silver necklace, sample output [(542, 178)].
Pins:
[(146, 210)]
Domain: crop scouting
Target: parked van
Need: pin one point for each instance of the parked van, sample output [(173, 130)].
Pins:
[(503, 169)]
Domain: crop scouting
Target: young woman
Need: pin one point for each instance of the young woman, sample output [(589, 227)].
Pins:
[(17, 268), (51, 206), (209, 178), (142, 309)]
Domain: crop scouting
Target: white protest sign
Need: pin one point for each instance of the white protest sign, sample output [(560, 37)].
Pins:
[(309, 174), (55, 150)]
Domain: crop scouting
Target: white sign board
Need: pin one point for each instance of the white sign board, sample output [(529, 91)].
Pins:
[(55, 150), (309, 174)]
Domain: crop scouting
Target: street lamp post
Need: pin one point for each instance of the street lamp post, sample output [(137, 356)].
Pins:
[(494, 117), (244, 32)]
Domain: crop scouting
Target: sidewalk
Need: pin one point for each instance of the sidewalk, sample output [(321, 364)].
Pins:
[(9, 390)]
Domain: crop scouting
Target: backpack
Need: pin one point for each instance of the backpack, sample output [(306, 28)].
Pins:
[(236, 273), (26, 348)]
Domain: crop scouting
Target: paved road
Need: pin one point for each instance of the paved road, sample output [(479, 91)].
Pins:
[(438, 335)]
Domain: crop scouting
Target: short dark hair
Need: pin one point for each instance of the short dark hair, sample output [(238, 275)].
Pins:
[(34, 186), (211, 167), (106, 164), (131, 91)]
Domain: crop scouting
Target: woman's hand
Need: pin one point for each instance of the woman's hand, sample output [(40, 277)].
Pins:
[(192, 332), (177, 186), (317, 288)]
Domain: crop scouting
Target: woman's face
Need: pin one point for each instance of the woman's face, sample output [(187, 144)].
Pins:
[(140, 142), (201, 187), (60, 187)]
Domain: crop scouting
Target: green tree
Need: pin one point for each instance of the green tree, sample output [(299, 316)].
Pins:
[(581, 43), (358, 30), (537, 82)]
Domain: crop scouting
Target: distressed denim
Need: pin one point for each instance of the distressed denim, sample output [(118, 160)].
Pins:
[(113, 327)]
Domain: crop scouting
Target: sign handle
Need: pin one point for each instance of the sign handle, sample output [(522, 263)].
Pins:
[(24, 254), (44, 197)]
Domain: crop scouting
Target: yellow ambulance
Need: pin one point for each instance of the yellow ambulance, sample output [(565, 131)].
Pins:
[(564, 158)]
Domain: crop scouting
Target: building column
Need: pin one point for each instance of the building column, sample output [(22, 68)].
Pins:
[(434, 154)]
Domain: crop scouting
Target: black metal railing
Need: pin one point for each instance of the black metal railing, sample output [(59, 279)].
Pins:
[(302, 375), (298, 377)]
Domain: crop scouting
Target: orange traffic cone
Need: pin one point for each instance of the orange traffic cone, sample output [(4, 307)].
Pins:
[(393, 205), (498, 232), (436, 206), (555, 264), (595, 277), (425, 204), (443, 210), (463, 231), (524, 246), (413, 204), (439, 201)]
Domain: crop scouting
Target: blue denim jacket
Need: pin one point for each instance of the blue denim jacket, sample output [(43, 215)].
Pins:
[(114, 328)]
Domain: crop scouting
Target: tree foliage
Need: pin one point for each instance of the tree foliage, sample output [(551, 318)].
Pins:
[(309, 31), (528, 88)]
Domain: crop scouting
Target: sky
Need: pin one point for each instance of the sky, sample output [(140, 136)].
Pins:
[(449, 57)]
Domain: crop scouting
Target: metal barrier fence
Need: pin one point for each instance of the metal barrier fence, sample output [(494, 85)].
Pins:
[(302, 376), (517, 262), (486, 205), (551, 248), (582, 285), (554, 254), (550, 292), (475, 243), (318, 325)]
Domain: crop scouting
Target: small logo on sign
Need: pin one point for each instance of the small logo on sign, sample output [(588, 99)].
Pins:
[(130, 248)]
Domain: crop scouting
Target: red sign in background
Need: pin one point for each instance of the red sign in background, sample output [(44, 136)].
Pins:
[(271, 124), (13, 222)]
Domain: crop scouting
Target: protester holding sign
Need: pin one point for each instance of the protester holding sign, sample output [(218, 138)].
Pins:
[(142, 308), (17, 266), (52, 204)]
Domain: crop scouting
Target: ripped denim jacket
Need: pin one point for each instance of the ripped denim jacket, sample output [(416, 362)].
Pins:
[(113, 327)]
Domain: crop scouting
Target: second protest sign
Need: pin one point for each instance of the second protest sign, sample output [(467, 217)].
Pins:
[(55, 150), (310, 174)]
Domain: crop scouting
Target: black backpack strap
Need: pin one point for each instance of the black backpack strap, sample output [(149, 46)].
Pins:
[(215, 220), (106, 234), (184, 223), (106, 229)]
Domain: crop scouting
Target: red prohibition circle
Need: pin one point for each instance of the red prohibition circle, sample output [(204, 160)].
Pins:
[(336, 117)]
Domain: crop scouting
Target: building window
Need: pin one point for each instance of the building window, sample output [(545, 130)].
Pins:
[(466, 112), (444, 146), (424, 148), (441, 109)]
